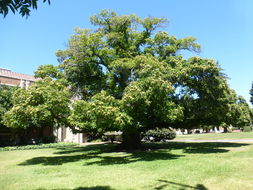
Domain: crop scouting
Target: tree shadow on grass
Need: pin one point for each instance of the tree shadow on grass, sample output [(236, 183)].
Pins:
[(133, 157), (101, 159), (180, 186), (105, 154), (83, 188), (198, 147), (87, 148)]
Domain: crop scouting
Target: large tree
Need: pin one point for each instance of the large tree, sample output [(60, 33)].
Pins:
[(23, 7), (133, 77)]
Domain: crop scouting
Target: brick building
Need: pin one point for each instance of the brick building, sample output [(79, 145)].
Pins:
[(10, 78)]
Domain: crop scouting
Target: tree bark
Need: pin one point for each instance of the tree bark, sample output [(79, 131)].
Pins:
[(131, 139)]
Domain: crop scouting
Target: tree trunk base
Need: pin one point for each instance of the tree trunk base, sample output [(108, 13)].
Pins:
[(131, 140)]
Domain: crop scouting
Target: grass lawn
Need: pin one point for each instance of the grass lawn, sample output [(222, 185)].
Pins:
[(172, 165), (217, 136)]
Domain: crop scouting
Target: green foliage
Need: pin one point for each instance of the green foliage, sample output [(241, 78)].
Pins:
[(146, 100), (22, 6), (239, 114), (247, 129), (48, 71), (38, 146), (6, 93), (158, 135), (132, 77), (201, 91), (45, 103), (104, 58), (102, 110)]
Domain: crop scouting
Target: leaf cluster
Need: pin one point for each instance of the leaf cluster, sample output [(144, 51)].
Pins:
[(45, 103), (23, 7), (6, 104)]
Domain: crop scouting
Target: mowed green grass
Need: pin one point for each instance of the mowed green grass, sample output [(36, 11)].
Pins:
[(217, 136), (173, 165)]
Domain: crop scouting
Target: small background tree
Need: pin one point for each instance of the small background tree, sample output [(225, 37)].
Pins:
[(44, 104)]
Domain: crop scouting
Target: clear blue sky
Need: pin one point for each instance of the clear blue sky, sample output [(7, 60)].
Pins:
[(224, 29)]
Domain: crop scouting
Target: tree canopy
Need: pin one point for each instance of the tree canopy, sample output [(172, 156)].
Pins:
[(140, 76), (23, 7)]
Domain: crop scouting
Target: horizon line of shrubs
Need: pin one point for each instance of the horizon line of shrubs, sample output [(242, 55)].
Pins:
[(153, 135)]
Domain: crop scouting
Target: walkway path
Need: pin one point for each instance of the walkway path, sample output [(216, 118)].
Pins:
[(214, 140)]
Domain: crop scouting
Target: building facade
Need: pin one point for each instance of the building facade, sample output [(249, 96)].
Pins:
[(10, 78)]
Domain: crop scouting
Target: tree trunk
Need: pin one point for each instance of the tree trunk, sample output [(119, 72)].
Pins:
[(131, 139), (225, 130)]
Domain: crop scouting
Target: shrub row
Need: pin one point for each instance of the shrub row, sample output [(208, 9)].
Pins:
[(38, 146), (158, 135), (247, 129)]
